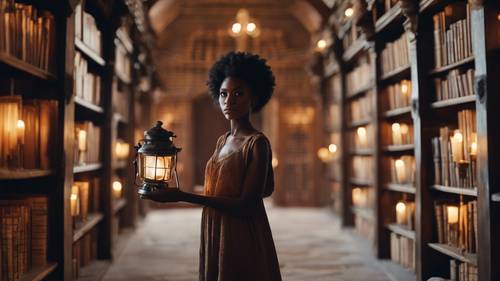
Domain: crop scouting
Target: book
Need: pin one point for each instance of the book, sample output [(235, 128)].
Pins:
[(461, 234), (395, 55), (402, 250)]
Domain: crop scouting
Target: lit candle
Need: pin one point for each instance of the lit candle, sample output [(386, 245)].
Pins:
[(401, 216), (356, 196), (117, 189), (323, 154), (158, 168), (363, 140), (332, 148), (400, 171), (473, 145), (82, 140), (20, 131), (457, 146), (74, 201), (396, 133), (404, 133), (405, 89), (452, 214)]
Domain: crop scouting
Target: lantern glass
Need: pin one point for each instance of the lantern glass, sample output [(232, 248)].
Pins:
[(156, 168)]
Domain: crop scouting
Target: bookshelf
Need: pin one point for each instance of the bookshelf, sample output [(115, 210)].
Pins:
[(59, 87), (443, 83)]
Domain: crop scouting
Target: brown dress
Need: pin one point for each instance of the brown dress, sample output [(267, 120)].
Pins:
[(235, 248)]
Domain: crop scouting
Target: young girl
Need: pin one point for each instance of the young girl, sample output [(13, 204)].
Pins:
[(236, 240)]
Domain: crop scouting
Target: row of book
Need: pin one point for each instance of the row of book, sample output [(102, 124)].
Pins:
[(397, 133), (351, 36), (87, 139), (397, 95), (335, 86), (403, 250), (84, 252), (461, 271), (402, 170), (120, 99), (362, 168), (455, 151), (405, 214), (456, 224), (86, 29), (361, 138), (364, 226), (24, 235), (452, 34), (85, 198), (363, 197), (28, 131), (123, 64), (455, 85), (362, 108), (395, 55), (87, 84), (332, 118), (359, 78), (27, 33)]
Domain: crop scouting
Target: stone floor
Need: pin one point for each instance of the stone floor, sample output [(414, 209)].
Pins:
[(310, 244)]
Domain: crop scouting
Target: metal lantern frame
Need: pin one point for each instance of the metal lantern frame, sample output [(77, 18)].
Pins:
[(157, 143)]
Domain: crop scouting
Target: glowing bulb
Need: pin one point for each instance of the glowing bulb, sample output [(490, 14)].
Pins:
[(399, 163), (117, 186), (498, 17), (452, 214), (361, 132), (321, 44), (20, 124), (73, 197), (251, 27), (323, 154), (404, 129), (236, 28), (400, 207), (404, 87), (332, 148), (349, 12), (458, 136), (274, 162), (396, 127)]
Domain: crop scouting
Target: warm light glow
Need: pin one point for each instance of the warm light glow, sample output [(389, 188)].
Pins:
[(251, 27), (158, 168), (323, 154), (274, 162), (117, 189), (458, 136), (401, 215), (400, 171), (332, 148), (457, 149), (358, 197), (473, 145), (121, 150), (498, 17), (321, 44), (74, 202), (396, 134), (404, 129), (405, 86), (396, 127), (20, 124), (399, 163), (361, 132), (82, 140), (236, 28), (452, 214), (20, 131), (349, 12), (400, 207)]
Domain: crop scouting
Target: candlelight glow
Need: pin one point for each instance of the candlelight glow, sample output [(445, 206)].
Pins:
[(236, 28), (452, 214), (117, 189), (399, 163), (401, 214), (321, 44), (473, 145), (323, 154), (349, 12), (20, 131), (274, 162), (457, 149), (396, 127), (405, 86), (251, 27), (82, 140), (20, 124), (332, 148), (158, 168)]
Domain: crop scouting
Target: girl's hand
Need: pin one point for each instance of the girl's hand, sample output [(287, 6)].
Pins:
[(164, 195)]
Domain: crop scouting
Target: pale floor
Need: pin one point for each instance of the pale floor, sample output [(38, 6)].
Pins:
[(311, 246)]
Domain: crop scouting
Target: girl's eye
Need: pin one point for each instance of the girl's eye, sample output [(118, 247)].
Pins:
[(237, 94), (223, 94)]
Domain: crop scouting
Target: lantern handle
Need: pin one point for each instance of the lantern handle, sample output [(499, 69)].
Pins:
[(136, 147)]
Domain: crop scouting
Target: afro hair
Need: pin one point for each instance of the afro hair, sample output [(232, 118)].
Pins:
[(245, 66)]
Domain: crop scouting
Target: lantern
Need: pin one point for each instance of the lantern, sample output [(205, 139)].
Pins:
[(156, 160)]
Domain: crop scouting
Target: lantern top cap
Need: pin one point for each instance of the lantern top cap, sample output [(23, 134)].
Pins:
[(158, 133)]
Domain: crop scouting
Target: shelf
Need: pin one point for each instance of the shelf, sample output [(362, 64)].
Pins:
[(331, 69), (454, 102), (356, 47), (354, 181), (39, 273), (406, 188), (125, 41), (399, 148), (88, 105), (397, 73), (388, 18), (396, 271), (87, 168), (24, 174), (89, 52), (119, 118), (362, 151), (365, 213), (119, 204), (83, 228), (360, 91), (397, 112), (121, 164), (359, 123), (26, 67), (123, 77), (94, 271), (495, 197), (444, 69), (456, 190), (454, 253), (402, 230)]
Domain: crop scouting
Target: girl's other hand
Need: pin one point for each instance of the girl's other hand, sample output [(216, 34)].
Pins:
[(164, 195)]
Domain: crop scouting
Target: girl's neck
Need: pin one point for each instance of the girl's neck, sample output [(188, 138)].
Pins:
[(241, 127)]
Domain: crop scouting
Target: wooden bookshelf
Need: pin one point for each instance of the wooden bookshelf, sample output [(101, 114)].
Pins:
[(402, 230), (84, 227), (399, 148), (389, 17), (88, 105), (118, 205), (87, 168), (396, 272), (39, 273), (456, 190), (401, 188), (24, 174), (366, 213), (454, 102), (89, 53), (444, 69), (26, 68), (397, 112), (396, 74), (454, 253)]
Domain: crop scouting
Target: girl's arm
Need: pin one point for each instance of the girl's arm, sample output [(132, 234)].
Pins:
[(253, 187)]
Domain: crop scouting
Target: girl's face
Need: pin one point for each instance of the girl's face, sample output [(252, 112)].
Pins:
[(235, 98)]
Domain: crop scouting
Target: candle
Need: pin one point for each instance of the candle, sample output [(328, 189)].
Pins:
[(396, 133), (400, 171), (74, 201), (356, 196), (117, 189), (158, 168), (82, 140), (20, 131), (473, 145), (401, 216), (332, 148), (457, 146), (452, 214), (363, 141), (404, 133), (323, 154)]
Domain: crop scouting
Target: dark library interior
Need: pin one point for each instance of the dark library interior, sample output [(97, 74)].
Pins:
[(381, 124)]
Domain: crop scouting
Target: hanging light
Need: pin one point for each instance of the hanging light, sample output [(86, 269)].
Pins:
[(156, 160), (349, 12)]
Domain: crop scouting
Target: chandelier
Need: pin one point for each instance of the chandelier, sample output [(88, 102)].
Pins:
[(244, 25)]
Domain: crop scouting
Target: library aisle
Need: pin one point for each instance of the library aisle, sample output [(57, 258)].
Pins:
[(311, 245)]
